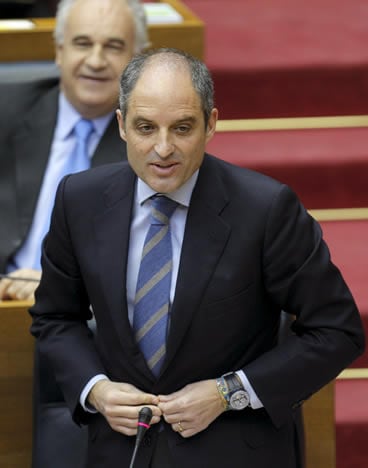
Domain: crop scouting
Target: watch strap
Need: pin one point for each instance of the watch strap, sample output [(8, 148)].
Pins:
[(233, 382)]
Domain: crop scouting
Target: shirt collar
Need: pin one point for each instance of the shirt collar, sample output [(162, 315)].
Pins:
[(67, 118), (182, 195)]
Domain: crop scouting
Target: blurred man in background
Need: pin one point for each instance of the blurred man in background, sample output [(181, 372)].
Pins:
[(39, 123)]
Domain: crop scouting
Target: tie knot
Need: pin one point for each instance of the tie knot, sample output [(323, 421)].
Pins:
[(83, 128), (162, 209)]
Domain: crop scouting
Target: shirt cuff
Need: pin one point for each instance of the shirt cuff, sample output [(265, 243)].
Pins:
[(83, 398), (255, 402)]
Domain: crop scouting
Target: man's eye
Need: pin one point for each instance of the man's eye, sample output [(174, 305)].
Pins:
[(115, 46), (145, 128), (183, 129), (82, 44)]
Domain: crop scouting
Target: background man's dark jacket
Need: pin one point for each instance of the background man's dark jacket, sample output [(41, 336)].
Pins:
[(28, 113)]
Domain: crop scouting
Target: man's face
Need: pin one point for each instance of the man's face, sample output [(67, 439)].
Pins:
[(164, 128), (98, 43)]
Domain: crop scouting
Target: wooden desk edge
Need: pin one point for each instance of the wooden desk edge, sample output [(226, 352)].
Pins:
[(15, 305), (37, 44)]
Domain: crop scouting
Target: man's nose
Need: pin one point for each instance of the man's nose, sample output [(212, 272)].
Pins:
[(164, 147), (96, 57)]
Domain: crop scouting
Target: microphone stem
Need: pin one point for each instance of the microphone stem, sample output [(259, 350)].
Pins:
[(133, 456), (144, 419)]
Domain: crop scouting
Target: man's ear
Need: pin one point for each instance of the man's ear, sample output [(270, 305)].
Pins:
[(58, 53), (121, 124), (211, 125)]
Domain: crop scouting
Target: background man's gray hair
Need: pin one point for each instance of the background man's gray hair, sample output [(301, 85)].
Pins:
[(139, 16), (200, 75)]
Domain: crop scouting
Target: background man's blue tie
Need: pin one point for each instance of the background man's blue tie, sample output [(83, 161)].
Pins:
[(77, 161), (152, 299)]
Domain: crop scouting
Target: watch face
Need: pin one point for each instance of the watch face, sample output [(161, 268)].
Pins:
[(239, 400)]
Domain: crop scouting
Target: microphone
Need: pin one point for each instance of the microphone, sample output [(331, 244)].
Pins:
[(144, 419)]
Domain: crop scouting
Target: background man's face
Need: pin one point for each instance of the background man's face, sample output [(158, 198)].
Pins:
[(98, 43)]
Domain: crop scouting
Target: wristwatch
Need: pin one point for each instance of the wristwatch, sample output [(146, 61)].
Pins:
[(232, 392)]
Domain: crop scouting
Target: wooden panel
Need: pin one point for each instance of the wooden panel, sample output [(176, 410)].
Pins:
[(319, 422), (16, 367), (37, 43)]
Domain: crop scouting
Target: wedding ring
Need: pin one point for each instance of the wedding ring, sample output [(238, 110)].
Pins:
[(180, 427)]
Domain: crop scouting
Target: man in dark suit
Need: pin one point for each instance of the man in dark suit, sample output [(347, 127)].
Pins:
[(94, 41), (221, 389)]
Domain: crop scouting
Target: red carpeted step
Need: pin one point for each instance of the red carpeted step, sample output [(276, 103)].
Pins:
[(328, 168), (286, 58), (351, 415), (348, 245)]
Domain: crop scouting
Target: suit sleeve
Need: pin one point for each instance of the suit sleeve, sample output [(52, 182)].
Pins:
[(61, 312), (327, 333)]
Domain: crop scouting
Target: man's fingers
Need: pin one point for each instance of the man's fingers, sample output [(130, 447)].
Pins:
[(4, 283), (17, 289), (184, 428), (21, 290), (172, 418), (128, 423)]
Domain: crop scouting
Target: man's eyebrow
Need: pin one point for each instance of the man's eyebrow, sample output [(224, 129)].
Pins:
[(189, 118), (139, 119), (116, 40), (81, 37)]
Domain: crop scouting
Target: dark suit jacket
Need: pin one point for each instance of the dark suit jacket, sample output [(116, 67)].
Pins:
[(250, 249), (28, 114)]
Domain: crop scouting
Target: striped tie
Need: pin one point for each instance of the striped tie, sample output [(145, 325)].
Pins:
[(153, 285)]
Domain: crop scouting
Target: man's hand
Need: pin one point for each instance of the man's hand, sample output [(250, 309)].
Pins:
[(193, 408), (120, 404), (17, 289)]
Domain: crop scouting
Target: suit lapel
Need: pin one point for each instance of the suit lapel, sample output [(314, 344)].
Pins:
[(112, 230), (31, 148), (205, 237)]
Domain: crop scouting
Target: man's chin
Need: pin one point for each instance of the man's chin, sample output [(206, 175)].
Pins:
[(95, 106), (163, 186)]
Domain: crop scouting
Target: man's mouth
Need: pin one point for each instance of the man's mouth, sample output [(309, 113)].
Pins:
[(95, 79), (164, 168)]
